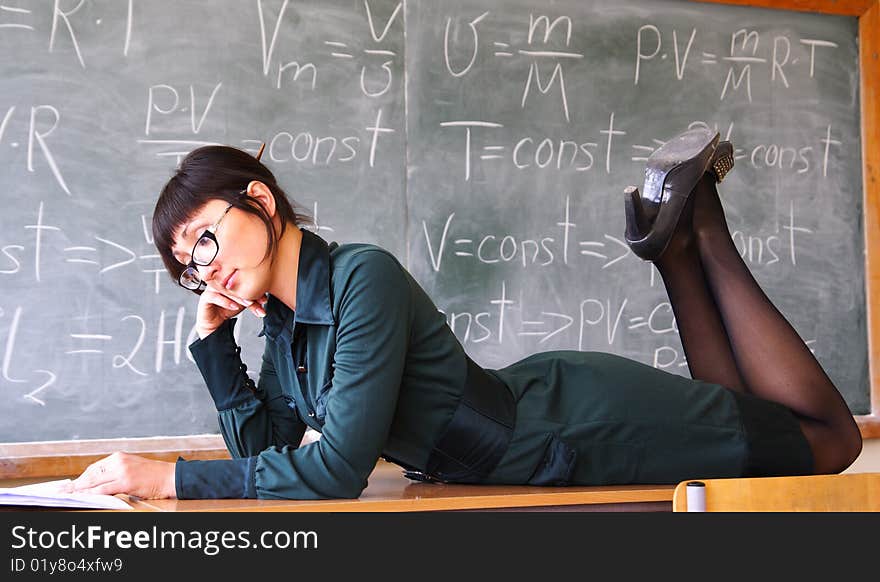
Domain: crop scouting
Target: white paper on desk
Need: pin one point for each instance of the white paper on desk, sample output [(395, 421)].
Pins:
[(48, 494)]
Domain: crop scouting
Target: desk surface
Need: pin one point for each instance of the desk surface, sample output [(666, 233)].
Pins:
[(389, 490)]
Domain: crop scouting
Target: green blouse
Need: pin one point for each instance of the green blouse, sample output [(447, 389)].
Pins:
[(368, 361)]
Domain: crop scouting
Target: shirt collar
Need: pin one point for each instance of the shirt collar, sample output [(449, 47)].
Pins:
[(312, 291)]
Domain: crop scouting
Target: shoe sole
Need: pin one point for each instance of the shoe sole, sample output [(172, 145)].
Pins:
[(665, 167)]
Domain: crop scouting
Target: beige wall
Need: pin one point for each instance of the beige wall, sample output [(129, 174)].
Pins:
[(869, 460)]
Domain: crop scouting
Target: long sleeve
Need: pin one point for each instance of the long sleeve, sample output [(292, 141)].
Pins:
[(251, 418), (372, 335), (371, 344)]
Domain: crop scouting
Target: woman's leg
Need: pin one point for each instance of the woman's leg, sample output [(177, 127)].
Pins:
[(772, 360), (705, 342)]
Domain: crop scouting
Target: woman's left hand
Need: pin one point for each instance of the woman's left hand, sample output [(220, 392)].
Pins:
[(127, 473)]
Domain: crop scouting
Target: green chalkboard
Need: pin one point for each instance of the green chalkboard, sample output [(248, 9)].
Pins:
[(485, 143)]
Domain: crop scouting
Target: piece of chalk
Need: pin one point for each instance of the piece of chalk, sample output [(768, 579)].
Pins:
[(696, 496)]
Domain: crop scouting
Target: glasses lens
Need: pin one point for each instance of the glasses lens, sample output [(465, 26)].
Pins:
[(190, 278), (204, 251)]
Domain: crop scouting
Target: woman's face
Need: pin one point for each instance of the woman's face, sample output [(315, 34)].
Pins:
[(239, 268)]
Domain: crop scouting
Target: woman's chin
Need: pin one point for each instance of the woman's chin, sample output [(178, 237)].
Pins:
[(252, 294)]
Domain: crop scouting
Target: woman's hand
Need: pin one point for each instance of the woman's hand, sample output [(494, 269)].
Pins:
[(216, 307), (127, 473)]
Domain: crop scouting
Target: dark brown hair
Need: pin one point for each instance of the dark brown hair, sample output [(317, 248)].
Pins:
[(216, 173)]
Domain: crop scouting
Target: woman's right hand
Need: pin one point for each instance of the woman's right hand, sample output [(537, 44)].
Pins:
[(215, 308)]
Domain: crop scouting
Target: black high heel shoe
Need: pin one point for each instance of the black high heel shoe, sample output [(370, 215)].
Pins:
[(672, 172)]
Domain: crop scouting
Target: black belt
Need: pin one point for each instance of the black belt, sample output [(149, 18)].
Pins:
[(477, 436)]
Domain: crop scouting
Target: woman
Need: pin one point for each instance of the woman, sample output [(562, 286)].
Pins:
[(357, 351)]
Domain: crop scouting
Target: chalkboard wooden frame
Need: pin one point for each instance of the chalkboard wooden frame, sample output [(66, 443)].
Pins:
[(66, 458)]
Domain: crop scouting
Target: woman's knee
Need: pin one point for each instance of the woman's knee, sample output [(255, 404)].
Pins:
[(834, 447), (851, 444)]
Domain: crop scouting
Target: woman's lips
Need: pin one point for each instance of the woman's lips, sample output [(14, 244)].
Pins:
[(230, 280)]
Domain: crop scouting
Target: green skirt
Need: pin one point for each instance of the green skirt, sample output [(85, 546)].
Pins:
[(592, 418)]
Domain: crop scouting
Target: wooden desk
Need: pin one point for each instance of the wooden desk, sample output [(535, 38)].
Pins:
[(389, 490)]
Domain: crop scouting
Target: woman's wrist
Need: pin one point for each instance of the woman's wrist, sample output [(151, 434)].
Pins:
[(171, 483), (204, 332)]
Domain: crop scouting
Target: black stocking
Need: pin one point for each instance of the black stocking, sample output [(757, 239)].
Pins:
[(733, 335), (705, 342)]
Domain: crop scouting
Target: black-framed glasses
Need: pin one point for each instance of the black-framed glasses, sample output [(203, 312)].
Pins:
[(203, 254)]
